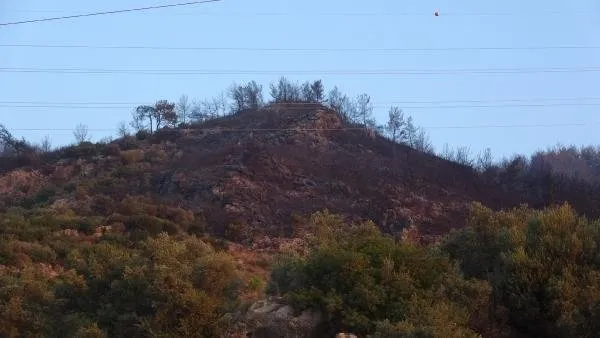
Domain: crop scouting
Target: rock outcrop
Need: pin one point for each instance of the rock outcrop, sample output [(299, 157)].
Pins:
[(272, 318)]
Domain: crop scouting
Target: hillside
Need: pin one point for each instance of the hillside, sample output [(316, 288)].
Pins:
[(216, 230), (248, 174)]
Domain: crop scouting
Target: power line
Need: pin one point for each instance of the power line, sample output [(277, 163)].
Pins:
[(396, 101), (217, 129), (107, 12), (299, 72), (296, 13), (577, 104), (280, 49)]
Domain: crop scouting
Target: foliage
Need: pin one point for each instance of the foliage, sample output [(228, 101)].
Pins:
[(360, 278), (543, 266), (54, 284), (246, 97)]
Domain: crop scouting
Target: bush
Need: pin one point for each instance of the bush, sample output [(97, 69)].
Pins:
[(358, 277), (543, 266), (132, 156), (142, 135)]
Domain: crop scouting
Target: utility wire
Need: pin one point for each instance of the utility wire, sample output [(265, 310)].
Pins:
[(577, 104), (397, 101), (442, 14), (107, 12), (217, 129), (325, 72), (293, 49)]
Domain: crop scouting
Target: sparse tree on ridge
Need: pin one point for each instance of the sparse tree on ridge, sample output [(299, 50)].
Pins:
[(285, 91), (307, 92), (161, 114), (318, 90), (165, 114), (342, 104), (46, 144), (183, 109), (395, 124), (210, 109), (364, 109), (140, 115), (485, 160), (246, 97), (9, 145), (81, 133), (122, 129)]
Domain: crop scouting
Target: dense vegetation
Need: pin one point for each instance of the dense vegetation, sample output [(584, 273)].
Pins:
[(521, 271)]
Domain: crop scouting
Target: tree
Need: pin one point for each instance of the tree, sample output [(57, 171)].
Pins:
[(122, 129), (9, 144), (417, 137), (335, 99), (342, 104), (485, 160), (411, 132), (210, 109), (246, 97), (183, 108), (81, 133), (285, 91), (395, 124), (164, 114), (463, 156), (422, 142), (140, 115), (318, 90), (46, 144), (364, 109), (307, 92), (447, 153)]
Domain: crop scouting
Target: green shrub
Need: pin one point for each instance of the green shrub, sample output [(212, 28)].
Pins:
[(543, 266), (358, 277)]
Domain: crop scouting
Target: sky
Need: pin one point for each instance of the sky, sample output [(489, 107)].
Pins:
[(523, 103)]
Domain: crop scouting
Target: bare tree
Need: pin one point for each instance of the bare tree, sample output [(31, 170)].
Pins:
[(485, 160), (422, 141), (183, 108), (46, 144), (122, 130), (81, 133), (463, 156)]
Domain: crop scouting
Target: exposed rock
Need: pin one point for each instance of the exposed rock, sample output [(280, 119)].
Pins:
[(272, 318)]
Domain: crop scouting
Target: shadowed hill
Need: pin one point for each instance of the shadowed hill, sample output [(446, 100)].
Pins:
[(248, 174)]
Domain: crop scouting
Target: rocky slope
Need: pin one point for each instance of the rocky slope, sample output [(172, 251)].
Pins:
[(247, 175)]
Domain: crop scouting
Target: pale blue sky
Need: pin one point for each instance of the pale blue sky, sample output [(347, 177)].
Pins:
[(312, 24)]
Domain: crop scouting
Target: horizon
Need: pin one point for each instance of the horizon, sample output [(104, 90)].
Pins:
[(473, 36)]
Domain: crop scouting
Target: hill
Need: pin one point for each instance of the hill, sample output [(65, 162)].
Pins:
[(248, 175)]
